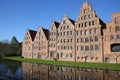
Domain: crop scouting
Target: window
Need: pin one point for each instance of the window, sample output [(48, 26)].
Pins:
[(64, 33), (67, 26), (82, 25), (118, 36), (111, 37), (61, 55), (64, 47), (85, 11), (91, 39), (86, 40), (92, 22), (61, 28), (81, 18), (77, 32), (96, 38), (96, 47), (91, 47), (82, 48), (68, 40), (82, 40), (71, 55), (86, 48), (89, 23), (89, 16), (64, 27), (116, 21), (79, 25), (71, 32), (85, 17), (86, 32), (65, 40), (117, 28), (61, 40), (64, 22), (61, 33), (86, 24), (77, 40)]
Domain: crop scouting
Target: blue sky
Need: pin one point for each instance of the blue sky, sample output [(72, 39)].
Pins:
[(18, 15)]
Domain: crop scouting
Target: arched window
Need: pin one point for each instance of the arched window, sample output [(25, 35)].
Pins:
[(85, 11), (96, 38), (86, 40), (96, 47), (86, 48), (118, 36), (86, 32), (85, 17), (86, 24), (111, 37)]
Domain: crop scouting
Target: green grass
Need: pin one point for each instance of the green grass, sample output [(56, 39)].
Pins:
[(69, 63)]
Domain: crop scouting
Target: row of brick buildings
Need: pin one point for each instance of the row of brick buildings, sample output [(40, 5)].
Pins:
[(88, 39)]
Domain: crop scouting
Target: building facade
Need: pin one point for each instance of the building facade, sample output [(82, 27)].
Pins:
[(88, 39), (41, 44)]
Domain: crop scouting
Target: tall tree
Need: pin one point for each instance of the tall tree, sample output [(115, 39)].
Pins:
[(14, 45), (14, 40)]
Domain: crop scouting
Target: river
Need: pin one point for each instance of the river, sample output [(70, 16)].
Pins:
[(15, 70)]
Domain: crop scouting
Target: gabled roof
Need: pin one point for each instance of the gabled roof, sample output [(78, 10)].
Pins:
[(32, 34), (56, 24), (72, 21), (46, 32)]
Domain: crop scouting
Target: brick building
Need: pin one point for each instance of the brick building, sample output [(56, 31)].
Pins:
[(88, 39)]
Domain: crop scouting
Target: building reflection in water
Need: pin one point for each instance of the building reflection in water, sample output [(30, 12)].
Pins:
[(34, 71)]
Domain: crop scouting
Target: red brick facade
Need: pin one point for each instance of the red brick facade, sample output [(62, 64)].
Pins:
[(88, 39)]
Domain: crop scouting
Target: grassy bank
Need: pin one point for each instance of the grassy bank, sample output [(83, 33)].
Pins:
[(69, 63)]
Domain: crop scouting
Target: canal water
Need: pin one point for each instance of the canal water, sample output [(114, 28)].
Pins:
[(15, 70)]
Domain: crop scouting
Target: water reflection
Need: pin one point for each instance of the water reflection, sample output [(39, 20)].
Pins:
[(14, 70), (34, 71), (10, 70)]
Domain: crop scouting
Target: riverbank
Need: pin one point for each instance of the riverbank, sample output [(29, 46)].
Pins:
[(69, 63)]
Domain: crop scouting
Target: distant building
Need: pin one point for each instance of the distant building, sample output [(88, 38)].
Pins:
[(88, 39)]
